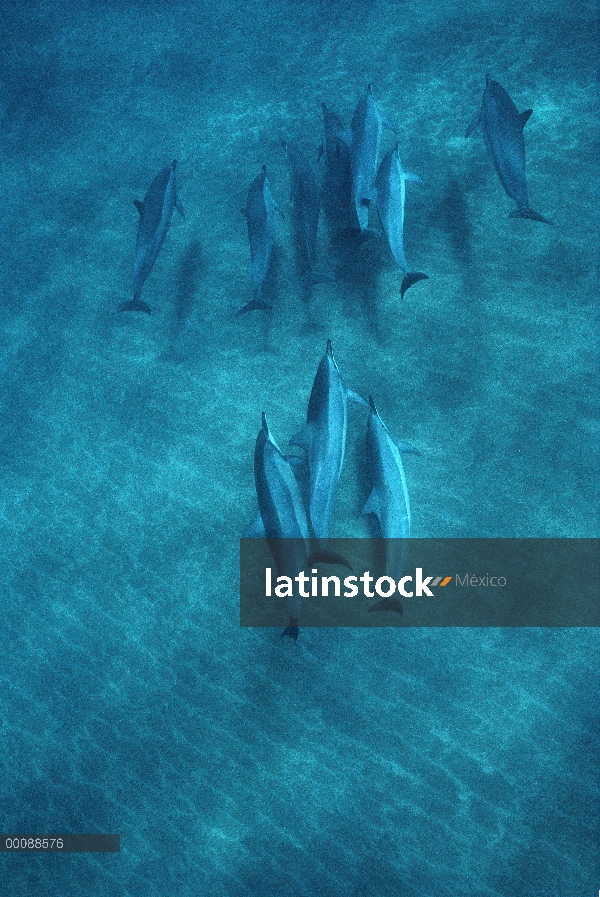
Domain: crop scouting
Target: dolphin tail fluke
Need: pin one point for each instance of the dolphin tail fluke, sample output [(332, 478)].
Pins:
[(525, 116), (389, 604), (135, 305), (529, 213), (290, 632), (253, 306), (409, 279), (324, 556)]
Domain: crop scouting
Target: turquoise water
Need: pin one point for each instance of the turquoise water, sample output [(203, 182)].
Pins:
[(359, 763)]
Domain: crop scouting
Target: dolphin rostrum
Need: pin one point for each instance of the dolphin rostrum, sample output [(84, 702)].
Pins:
[(282, 520), (389, 494), (502, 128), (389, 198), (364, 146), (259, 214), (324, 439), (156, 212)]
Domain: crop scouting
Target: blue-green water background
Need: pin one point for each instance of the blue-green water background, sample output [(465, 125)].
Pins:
[(359, 763)]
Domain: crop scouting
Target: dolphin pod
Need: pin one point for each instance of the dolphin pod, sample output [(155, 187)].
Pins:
[(354, 180), (282, 519), (156, 212), (502, 128)]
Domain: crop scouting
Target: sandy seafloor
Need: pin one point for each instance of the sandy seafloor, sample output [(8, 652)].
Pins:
[(422, 762)]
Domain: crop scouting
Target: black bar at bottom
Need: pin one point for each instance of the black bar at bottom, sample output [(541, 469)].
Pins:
[(60, 843)]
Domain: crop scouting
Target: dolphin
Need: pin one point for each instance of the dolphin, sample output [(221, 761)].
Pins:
[(333, 135), (324, 439), (337, 185), (389, 198), (306, 201), (502, 128), (156, 212), (389, 494), (259, 214), (364, 144), (282, 519)]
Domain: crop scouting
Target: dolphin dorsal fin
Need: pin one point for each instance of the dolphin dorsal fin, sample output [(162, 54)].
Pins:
[(406, 447)]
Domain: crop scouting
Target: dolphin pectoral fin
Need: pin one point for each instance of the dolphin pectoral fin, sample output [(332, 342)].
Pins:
[(179, 208), (408, 449), (253, 306), (135, 305), (323, 556), (408, 176), (256, 529), (295, 460), (525, 116), (313, 278), (346, 137), (372, 505), (409, 279), (476, 121), (529, 213), (357, 399), (139, 205), (387, 124), (279, 209)]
